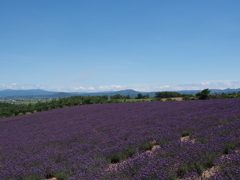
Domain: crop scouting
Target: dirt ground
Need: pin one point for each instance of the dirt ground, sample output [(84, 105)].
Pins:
[(174, 98)]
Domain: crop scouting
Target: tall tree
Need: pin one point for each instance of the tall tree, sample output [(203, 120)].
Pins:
[(139, 96), (204, 94)]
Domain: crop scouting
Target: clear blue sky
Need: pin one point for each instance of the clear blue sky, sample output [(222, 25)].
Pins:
[(102, 45)]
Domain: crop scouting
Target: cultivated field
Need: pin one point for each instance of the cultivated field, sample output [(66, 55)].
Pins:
[(151, 140), (174, 98)]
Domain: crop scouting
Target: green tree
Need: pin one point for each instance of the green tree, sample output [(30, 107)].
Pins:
[(204, 94), (117, 96), (139, 96), (238, 95), (105, 97), (127, 97), (167, 94)]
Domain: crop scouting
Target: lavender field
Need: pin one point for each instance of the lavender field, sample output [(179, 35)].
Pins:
[(151, 140)]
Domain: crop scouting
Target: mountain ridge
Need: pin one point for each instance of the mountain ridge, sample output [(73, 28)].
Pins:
[(34, 93)]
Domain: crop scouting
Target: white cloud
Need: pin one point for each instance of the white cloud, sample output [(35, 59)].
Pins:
[(16, 86), (234, 84), (211, 85), (12, 86), (157, 88), (75, 89), (205, 83), (78, 88), (163, 87), (89, 89), (111, 88), (190, 86), (144, 89)]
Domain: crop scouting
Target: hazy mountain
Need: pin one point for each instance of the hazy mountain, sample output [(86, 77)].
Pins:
[(62, 95), (29, 92), (225, 90), (39, 93), (126, 92)]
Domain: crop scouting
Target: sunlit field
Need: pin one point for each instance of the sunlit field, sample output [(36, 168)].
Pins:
[(151, 140)]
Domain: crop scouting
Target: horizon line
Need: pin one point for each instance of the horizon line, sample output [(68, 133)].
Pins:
[(113, 90)]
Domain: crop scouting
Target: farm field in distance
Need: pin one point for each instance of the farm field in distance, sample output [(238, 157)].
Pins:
[(33, 101), (150, 99), (151, 140)]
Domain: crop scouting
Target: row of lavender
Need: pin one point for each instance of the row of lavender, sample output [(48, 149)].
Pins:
[(82, 142)]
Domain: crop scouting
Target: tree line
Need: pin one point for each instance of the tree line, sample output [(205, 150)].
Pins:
[(8, 109), (205, 94)]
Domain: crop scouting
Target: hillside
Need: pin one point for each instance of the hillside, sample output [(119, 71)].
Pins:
[(155, 140), (30, 92)]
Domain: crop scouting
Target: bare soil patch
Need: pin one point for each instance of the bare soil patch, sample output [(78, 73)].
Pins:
[(174, 98), (210, 172), (186, 139)]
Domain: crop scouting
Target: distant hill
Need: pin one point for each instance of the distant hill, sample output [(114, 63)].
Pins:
[(126, 92), (39, 93), (225, 90), (29, 92)]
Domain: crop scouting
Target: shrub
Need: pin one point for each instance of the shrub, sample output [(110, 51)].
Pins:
[(60, 175), (229, 146), (187, 132), (210, 160), (146, 146)]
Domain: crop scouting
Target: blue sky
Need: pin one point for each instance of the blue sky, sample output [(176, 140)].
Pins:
[(103, 45)]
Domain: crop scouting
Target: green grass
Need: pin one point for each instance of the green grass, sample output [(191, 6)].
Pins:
[(135, 100), (187, 132), (115, 158), (146, 146), (60, 175), (185, 168), (33, 177), (27, 101), (229, 146), (202, 139)]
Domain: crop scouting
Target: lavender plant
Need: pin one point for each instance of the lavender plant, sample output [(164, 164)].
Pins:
[(115, 141)]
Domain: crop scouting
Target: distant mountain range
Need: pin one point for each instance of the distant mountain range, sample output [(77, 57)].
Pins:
[(39, 93)]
